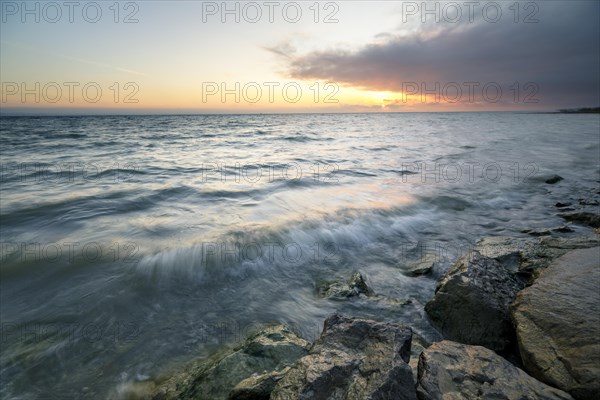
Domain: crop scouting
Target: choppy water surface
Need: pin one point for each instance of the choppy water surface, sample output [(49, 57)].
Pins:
[(132, 244)]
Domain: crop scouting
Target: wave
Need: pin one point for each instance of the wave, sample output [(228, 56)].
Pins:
[(343, 240), (94, 205)]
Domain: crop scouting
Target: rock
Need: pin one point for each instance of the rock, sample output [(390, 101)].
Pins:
[(353, 359), (557, 323), (449, 370), (341, 290), (554, 179), (418, 345), (543, 232), (257, 387), (471, 302), (526, 257), (548, 231), (270, 350), (584, 218), (357, 283), (509, 251), (561, 205), (563, 229), (138, 390), (420, 268)]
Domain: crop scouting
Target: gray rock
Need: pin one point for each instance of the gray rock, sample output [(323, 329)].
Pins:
[(583, 218), (526, 256), (548, 231), (449, 370), (562, 205), (353, 359), (357, 282), (554, 179), (340, 290), (557, 323), (539, 232), (471, 302), (509, 251), (563, 229), (269, 350), (418, 345), (420, 268), (257, 387)]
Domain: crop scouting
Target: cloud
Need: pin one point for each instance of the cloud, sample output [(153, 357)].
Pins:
[(559, 54)]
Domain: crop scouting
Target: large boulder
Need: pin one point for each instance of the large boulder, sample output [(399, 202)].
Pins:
[(557, 323), (471, 302), (353, 359), (266, 352), (450, 370)]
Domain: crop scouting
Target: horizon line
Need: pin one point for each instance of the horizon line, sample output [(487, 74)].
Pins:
[(18, 113)]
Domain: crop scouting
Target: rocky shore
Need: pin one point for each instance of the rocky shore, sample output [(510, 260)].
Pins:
[(520, 318)]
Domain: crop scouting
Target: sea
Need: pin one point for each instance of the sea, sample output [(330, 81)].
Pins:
[(133, 245)]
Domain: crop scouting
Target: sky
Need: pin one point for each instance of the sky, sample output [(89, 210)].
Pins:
[(304, 56)]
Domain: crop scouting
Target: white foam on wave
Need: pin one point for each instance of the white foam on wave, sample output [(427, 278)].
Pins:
[(335, 240)]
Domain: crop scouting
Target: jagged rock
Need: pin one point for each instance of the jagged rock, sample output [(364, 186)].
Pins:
[(257, 387), (420, 268), (270, 350), (357, 282), (557, 323), (509, 251), (584, 218), (449, 370), (353, 359), (418, 345), (526, 256), (471, 302), (340, 290)]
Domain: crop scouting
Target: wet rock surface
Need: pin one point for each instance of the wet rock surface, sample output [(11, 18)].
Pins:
[(340, 290), (557, 323), (584, 218), (257, 387), (353, 359), (471, 302), (270, 350), (554, 179), (419, 268), (450, 370), (526, 257)]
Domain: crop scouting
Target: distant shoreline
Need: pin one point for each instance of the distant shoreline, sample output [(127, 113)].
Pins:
[(584, 110)]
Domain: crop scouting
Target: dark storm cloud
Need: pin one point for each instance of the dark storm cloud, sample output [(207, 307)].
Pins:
[(560, 53)]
